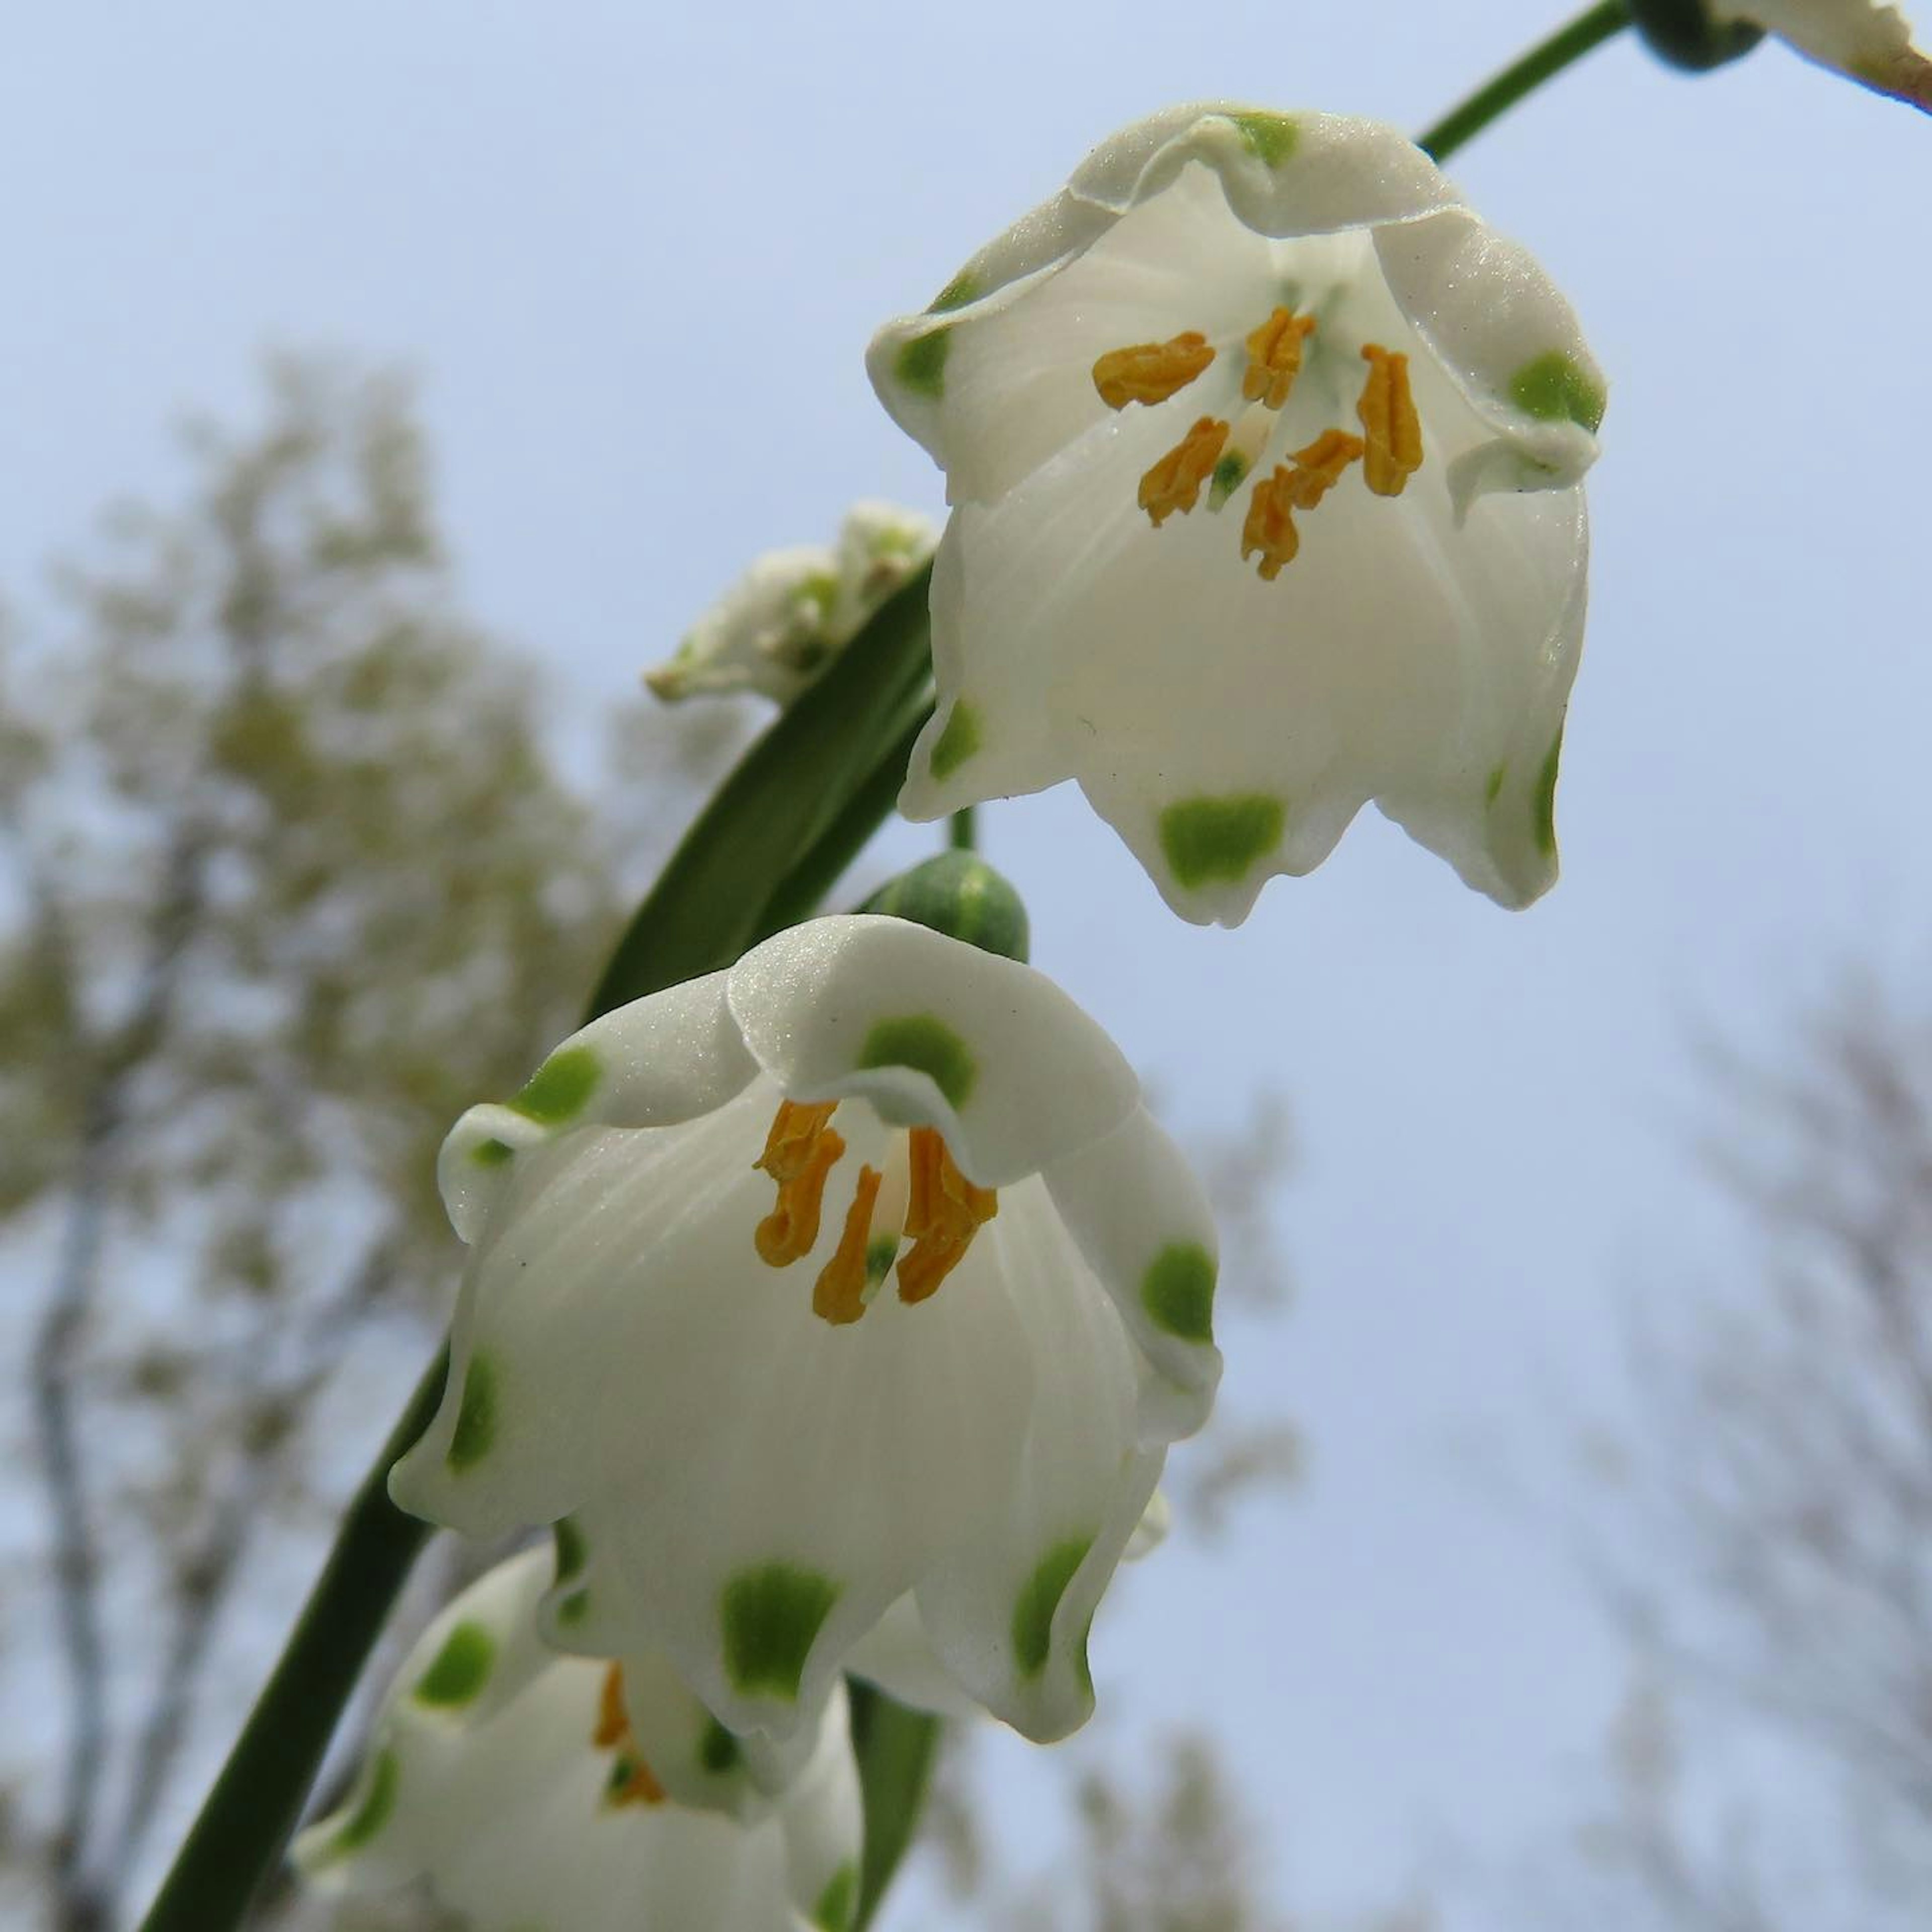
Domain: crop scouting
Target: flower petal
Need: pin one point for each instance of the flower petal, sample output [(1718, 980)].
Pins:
[(1143, 1224), (658, 1060), (1872, 43), (989, 413), (929, 1029)]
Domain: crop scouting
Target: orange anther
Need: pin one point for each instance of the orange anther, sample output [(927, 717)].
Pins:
[(1318, 468), (1151, 372), (1274, 357), (1174, 482), (945, 1212), (1389, 422), (839, 1295), (799, 1153), (632, 1781), (1270, 527)]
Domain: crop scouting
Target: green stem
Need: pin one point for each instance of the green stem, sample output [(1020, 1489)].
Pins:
[(1543, 62), (256, 1801), (962, 837)]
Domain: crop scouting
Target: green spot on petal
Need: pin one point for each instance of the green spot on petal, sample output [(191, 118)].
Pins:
[(837, 1901), (1177, 1291), (921, 366), (770, 1616), (1271, 137), (928, 1045), (492, 1153), (475, 1416), (1555, 387), (963, 288), (957, 741), (560, 1087), (1206, 839), (1494, 785), (461, 1667), (573, 1552), (1033, 1615), (1545, 798), (718, 1749), (881, 1256), (372, 1813)]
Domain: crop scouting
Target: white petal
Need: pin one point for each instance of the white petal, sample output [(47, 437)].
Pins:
[(771, 632), (1230, 728), (1007, 1601), (897, 1655), (654, 1062), (1143, 1224), (930, 1029), (1871, 43), (1282, 175)]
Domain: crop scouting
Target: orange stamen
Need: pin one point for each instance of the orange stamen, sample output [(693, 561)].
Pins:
[(632, 1780), (945, 1212), (1151, 372), (1270, 527), (1174, 482), (799, 1153), (839, 1296), (1274, 357), (1318, 468), (1389, 422)]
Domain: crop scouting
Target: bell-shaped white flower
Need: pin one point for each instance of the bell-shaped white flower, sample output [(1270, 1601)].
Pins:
[(794, 610), (1870, 44), (857, 1270), (1265, 454), (534, 1790)]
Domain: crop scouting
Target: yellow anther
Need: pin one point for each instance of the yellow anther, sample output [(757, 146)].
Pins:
[(1318, 468), (945, 1212), (799, 1152), (1274, 357), (1389, 422), (1151, 372), (1174, 482), (1270, 527), (632, 1780), (839, 1295)]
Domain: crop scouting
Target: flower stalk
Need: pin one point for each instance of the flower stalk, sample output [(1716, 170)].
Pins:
[(1521, 78)]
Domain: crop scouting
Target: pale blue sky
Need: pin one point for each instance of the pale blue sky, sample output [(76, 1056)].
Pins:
[(635, 257)]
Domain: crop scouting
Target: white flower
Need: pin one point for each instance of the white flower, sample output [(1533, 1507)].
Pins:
[(533, 1789), (793, 610), (856, 1270), (1264, 454), (1872, 44)]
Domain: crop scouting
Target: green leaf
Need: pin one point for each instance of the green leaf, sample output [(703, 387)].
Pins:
[(788, 810), (896, 1748)]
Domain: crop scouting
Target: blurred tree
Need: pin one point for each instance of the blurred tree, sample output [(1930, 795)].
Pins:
[(1771, 1561), (293, 881)]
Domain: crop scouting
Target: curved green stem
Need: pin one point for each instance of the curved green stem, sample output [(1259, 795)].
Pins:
[(253, 1807), (1543, 62)]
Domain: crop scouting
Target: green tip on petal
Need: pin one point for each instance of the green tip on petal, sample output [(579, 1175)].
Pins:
[(770, 1616), (928, 1045), (718, 1750), (1272, 138), (372, 1813), (560, 1088), (963, 289), (475, 1416), (921, 366), (958, 894), (1555, 387), (1545, 798), (492, 1153), (460, 1669), (839, 1902), (1033, 1614), (957, 741), (1208, 840), (1177, 1291)]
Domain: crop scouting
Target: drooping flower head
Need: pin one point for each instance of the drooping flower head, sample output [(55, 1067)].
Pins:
[(1869, 43), (794, 610), (533, 1790), (1265, 454), (857, 1270)]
